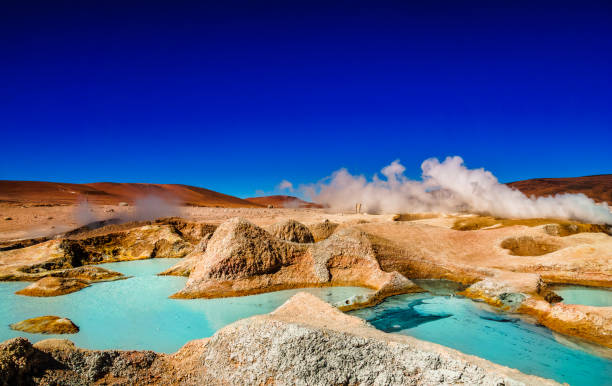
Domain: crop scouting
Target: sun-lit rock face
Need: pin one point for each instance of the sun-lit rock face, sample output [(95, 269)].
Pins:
[(184, 266), (305, 342), (242, 259), (138, 243), (587, 322), (46, 325), (172, 238), (291, 230)]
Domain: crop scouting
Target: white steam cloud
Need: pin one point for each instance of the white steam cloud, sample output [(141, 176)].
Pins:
[(83, 213), (285, 185), (153, 207), (447, 187)]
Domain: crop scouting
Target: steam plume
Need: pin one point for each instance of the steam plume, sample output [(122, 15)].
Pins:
[(83, 213), (449, 186), (153, 207), (285, 185)]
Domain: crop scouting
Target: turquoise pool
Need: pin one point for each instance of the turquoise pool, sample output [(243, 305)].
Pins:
[(589, 296), (474, 328), (136, 313)]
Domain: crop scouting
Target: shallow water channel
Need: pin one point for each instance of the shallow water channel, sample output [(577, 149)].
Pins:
[(476, 329), (136, 314)]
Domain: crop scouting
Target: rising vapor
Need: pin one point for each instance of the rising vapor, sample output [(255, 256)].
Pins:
[(448, 187)]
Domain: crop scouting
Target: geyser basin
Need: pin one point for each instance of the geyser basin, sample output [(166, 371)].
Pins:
[(589, 296), (475, 329), (136, 313)]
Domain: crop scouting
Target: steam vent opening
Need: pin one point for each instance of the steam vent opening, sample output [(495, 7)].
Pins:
[(528, 246)]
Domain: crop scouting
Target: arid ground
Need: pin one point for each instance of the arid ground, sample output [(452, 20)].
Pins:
[(248, 248)]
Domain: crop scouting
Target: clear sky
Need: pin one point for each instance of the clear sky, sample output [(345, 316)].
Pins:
[(237, 96)]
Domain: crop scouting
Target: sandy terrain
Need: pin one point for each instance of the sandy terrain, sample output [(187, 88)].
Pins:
[(36, 221), (282, 202)]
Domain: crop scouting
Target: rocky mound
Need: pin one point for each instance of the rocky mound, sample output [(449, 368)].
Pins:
[(321, 231), (89, 273), (62, 282), (243, 259), (240, 257), (291, 230), (46, 325), (53, 286), (304, 342)]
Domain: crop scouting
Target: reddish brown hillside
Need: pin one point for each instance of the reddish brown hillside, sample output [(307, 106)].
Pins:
[(110, 193), (283, 202), (599, 188)]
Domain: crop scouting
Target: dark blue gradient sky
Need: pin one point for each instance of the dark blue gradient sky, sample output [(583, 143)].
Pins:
[(236, 96)]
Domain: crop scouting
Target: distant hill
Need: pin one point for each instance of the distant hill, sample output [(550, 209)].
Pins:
[(283, 202), (111, 193), (599, 188)]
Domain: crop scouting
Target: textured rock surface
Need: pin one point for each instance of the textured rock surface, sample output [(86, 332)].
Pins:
[(186, 265), (291, 230), (322, 230), (304, 342), (53, 286), (46, 325), (70, 280), (477, 258), (591, 323), (530, 246), (170, 237), (20, 363), (242, 259)]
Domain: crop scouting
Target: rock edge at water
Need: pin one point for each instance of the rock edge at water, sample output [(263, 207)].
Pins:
[(46, 325), (305, 342)]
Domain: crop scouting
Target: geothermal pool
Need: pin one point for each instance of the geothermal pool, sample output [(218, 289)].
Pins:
[(589, 296), (136, 314), (474, 328)]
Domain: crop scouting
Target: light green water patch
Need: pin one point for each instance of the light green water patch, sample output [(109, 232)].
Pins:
[(588, 296), (439, 286), (136, 313), (477, 329)]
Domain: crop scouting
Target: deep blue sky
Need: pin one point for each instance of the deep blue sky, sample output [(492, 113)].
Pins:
[(236, 96)]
